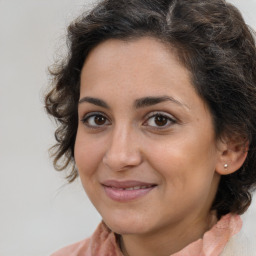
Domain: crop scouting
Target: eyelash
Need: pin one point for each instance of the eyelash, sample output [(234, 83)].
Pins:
[(168, 118), (85, 120)]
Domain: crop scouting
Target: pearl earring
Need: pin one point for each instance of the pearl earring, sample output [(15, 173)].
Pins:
[(225, 166)]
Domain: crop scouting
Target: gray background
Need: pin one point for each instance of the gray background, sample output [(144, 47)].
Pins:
[(39, 212)]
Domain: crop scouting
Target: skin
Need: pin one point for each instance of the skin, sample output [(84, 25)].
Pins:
[(179, 154)]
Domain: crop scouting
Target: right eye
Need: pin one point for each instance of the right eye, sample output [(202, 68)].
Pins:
[(95, 120)]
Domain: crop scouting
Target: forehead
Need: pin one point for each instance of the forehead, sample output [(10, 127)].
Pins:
[(146, 60), (152, 46)]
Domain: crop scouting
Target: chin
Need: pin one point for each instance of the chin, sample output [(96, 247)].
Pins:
[(127, 225), (126, 229)]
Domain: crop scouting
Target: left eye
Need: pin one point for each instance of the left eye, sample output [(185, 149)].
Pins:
[(160, 120)]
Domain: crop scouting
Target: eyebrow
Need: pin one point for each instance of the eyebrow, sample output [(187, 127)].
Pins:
[(150, 101), (139, 103), (94, 101)]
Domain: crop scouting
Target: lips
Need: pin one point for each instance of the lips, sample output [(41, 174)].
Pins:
[(123, 191), (134, 188)]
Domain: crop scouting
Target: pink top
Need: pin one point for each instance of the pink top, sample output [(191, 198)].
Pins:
[(103, 241)]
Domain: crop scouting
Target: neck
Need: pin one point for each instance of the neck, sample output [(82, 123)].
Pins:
[(169, 241)]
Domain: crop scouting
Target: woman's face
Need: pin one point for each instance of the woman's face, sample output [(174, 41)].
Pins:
[(145, 146)]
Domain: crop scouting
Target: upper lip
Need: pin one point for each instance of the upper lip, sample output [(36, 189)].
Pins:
[(126, 184)]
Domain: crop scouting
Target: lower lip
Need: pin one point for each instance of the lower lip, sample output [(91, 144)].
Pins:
[(126, 195)]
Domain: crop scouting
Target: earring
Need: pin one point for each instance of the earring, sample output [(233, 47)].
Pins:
[(225, 166)]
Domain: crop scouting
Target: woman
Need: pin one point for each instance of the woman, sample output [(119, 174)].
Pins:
[(156, 110)]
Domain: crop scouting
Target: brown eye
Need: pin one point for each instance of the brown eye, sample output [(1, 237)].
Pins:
[(95, 120), (99, 120), (161, 120)]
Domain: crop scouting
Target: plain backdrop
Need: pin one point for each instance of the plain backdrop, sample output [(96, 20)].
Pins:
[(39, 211)]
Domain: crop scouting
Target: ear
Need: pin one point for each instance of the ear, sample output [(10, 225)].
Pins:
[(232, 154)]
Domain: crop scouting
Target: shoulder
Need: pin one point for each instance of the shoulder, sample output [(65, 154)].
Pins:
[(103, 242), (74, 249)]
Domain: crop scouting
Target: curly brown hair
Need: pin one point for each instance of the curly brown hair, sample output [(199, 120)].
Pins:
[(212, 42)]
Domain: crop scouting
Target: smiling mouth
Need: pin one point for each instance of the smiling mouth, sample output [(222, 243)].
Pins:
[(134, 188), (126, 191)]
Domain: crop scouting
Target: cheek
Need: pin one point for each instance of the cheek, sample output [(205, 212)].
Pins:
[(187, 182), (88, 155), (183, 162)]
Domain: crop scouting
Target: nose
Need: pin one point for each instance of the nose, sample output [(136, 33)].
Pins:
[(123, 150)]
